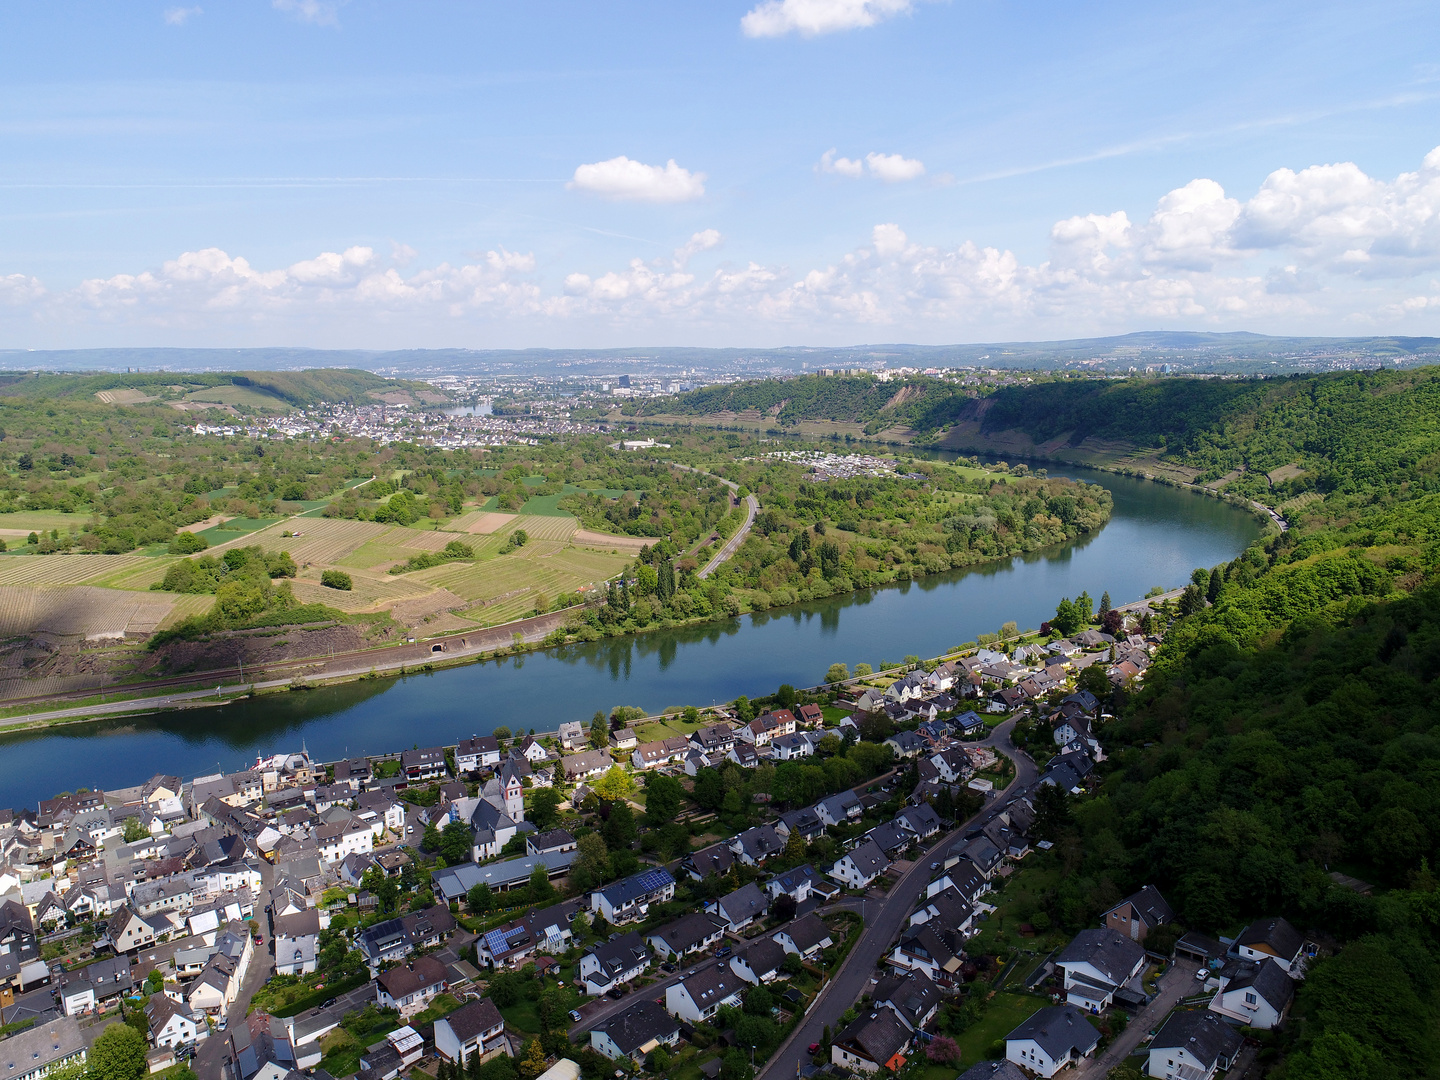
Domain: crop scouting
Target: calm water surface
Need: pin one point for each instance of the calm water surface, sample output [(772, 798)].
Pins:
[(1156, 537)]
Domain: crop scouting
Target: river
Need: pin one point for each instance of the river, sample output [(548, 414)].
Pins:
[(1156, 536)]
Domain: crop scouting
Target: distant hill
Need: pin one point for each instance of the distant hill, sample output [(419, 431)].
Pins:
[(1234, 353), (281, 389)]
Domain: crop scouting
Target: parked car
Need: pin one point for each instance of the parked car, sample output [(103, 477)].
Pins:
[(615, 992), (814, 1048), (724, 950), (575, 1015), (670, 966)]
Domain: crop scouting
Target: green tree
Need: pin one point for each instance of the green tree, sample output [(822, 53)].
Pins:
[(615, 784), (795, 847), (785, 697), (1094, 679), (1052, 812), (504, 989), (134, 831), (480, 899), (620, 829), (744, 711), (1104, 601), (837, 673), (118, 1054), (664, 797), (659, 1061), (735, 1065), (541, 891), (456, 843), (533, 1063), (1216, 585), (862, 670), (599, 731), (1338, 1056), (544, 809), (592, 862)]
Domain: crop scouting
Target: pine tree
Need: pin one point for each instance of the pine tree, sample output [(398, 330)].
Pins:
[(1104, 601)]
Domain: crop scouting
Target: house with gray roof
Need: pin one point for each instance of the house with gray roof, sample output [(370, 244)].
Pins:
[(913, 997), (609, 963), (755, 845), (1139, 913), (861, 865), (1051, 1039), (805, 936), (30, 1054), (698, 997), (635, 1032), (1193, 1044), (1273, 937), (1096, 963), (713, 860), (1256, 995), (760, 962), (876, 1040), (740, 908), (688, 934)]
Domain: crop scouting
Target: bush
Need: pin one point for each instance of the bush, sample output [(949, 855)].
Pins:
[(187, 543), (336, 579)]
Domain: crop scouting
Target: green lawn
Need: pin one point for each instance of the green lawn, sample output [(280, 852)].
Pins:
[(1005, 1013), (545, 506)]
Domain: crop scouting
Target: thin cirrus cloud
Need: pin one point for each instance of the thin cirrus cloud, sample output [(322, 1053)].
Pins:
[(634, 181), (318, 12), (809, 18), (179, 16), (1325, 245), (891, 168)]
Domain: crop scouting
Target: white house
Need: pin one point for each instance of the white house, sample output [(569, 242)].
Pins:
[(761, 962), (297, 942), (1051, 1039), (1096, 963), (172, 1023), (475, 1027), (1192, 1045), (840, 809), (688, 934), (476, 753), (609, 963), (698, 997), (857, 868), (1273, 938), (634, 1032), (740, 908), (805, 937), (1257, 995), (352, 837), (629, 899), (408, 990)]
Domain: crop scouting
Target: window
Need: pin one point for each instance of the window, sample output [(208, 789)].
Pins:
[(1250, 999)]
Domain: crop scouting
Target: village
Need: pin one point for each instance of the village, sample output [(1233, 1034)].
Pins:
[(832, 884)]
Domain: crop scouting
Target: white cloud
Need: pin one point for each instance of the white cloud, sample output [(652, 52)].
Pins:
[(179, 16), (319, 12), (829, 163), (776, 18), (892, 168), (621, 178), (1311, 251)]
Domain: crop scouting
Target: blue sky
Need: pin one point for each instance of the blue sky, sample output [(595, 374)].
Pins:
[(390, 174)]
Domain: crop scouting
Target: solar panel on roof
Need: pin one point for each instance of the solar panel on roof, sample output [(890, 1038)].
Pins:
[(496, 942)]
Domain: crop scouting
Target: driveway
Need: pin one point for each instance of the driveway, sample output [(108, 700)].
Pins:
[(1175, 984), (884, 920)]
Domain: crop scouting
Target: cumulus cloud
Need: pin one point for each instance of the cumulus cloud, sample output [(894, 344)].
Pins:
[(776, 18), (891, 168), (179, 16), (319, 12), (829, 163), (1324, 246), (621, 178)]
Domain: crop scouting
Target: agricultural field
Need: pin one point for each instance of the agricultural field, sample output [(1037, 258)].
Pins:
[(80, 610), (63, 569), (23, 522)]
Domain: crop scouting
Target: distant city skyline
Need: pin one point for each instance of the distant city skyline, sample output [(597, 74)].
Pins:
[(370, 174)]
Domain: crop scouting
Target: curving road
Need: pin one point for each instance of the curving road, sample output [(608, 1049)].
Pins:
[(752, 507), (884, 918)]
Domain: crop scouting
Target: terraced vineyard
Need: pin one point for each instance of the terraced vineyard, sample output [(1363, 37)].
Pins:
[(80, 610), (63, 569)]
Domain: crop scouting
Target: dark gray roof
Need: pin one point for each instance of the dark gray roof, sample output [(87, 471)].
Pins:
[(715, 859), (919, 819), (712, 984), (1201, 1033), (1057, 1030), (687, 932), (1112, 954), (638, 1025), (474, 1017), (1277, 935), (806, 932), (1151, 906), (1267, 979), (746, 902), (622, 954), (879, 1033), (764, 956), (913, 995), (868, 858)]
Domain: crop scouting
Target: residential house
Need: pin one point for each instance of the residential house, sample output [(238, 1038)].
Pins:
[(1273, 937), (389, 811), (19, 950), (876, 1040), (585, 766), (715, 739), (983, 853), (1193, 1044), (921, 821), (572, 735), (741, 907), (1051, 1039), (216, 987), (755, 845), (491, 827), (554, 840), (953, 765), (806, 936), (409, 990), (173, 1023), (652, 755), (714, 860), (355, 773), (95, 985), (1096, 963), (1139, 913), (938, 951), (768, 726), (475, 1028), (343, 838), (688, 934), (809, 715), (128, 931), (743, 754), (551, 926), (531, 750), (43, 1048), (297, 942), (609, 963), (698, 997), (1257, 995), (696, 761), (476, 753), (891, 838), (422, 765), (805, 821), (395, 939), (994, 1070), (913, 997), (629, 899), (796, 884), (624, 739), (947, 908), (791, 747), (861, 865), (969, 724), (907, 744), (634, 1032), (759, 963), (510, 944), (839, 809)]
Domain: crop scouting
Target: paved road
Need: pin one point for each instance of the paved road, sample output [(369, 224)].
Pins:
[(1174, 985), (884, 920), (212, 1053), (594, 1010), (752, 507)]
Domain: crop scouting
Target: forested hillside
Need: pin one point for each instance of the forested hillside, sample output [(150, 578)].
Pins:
[(299, 389), (1288, 731)]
